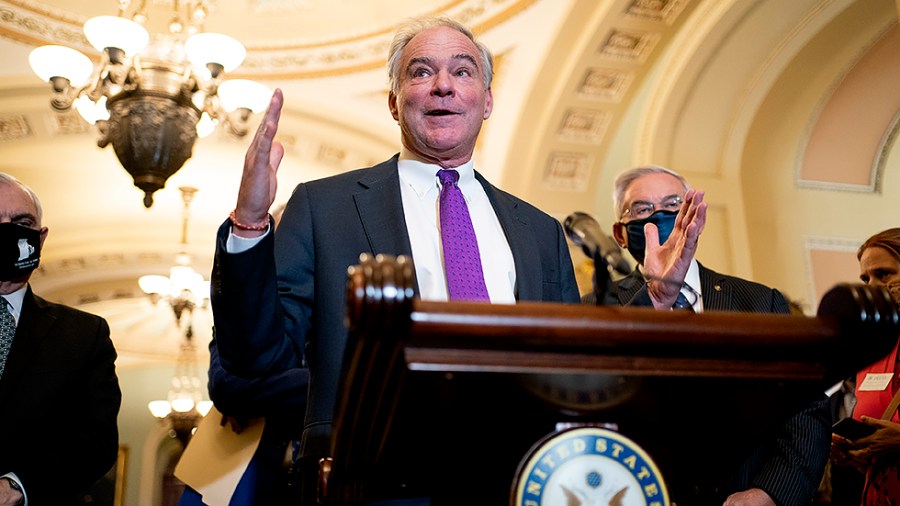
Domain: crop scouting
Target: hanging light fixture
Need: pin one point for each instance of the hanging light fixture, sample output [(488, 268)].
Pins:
[(183, 290), (149, 97)]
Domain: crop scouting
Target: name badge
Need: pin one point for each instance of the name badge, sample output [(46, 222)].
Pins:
[(876, 382)]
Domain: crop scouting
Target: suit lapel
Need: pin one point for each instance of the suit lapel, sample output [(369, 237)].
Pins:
[(715, 290), (521, 240), (380, 209), (34, 324), (629, 286)]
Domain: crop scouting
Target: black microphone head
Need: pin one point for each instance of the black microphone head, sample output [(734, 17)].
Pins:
[(584, 231), (579, 226)]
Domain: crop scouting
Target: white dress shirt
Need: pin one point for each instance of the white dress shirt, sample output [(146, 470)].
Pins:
[(692, 279), (419, 192)]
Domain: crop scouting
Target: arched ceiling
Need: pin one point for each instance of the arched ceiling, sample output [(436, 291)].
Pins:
[(584, 89)]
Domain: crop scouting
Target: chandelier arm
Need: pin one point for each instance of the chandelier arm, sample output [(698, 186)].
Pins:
[(63, 96), (237, 122), (94, 87)]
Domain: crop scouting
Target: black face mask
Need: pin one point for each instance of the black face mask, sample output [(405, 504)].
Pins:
[(664, 221), (20, 251)]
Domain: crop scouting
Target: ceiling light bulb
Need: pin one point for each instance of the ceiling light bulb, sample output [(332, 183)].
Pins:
[(243, 93), (216, 48), (206, 126), (115, 32), (91, 111), (159, 409), (60, 61)]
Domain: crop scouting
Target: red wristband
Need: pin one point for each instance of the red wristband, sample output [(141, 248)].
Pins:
[(259, 228)]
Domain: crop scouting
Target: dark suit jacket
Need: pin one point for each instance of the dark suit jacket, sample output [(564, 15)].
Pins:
[(273, 316), (791, 467), (720, 293), (60, 398)]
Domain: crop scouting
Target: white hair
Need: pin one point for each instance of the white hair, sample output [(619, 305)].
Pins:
[(624, 180)]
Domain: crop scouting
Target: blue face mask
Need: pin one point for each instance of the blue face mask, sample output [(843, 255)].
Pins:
[(664, 221)]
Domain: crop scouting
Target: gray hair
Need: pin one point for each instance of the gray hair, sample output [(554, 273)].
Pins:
[(6, 179), (624, 180), (412, 27)]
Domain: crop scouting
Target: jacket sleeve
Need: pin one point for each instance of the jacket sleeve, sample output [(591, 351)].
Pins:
[(280, 394), (249, 321), (796, 459)]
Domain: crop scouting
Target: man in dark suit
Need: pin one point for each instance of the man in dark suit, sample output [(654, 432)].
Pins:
[(279, 298), (59, 395), (660, 230)]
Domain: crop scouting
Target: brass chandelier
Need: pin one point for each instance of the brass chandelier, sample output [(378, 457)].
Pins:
[(151, 97)]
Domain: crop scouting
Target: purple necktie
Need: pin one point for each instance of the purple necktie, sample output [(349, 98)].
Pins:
[(465, 279)]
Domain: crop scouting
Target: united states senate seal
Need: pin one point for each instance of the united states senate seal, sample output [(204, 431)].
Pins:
[(588, 466)]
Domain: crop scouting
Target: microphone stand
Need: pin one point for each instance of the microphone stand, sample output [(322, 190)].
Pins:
[(602, 280)]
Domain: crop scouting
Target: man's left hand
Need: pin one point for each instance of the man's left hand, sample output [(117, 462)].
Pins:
[(752, 497), (666, 265)]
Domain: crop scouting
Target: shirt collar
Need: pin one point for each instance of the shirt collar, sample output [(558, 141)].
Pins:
[(16, 299), (692, 278), (422, 176)]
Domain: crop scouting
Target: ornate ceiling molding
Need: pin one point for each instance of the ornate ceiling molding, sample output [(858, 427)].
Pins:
[(38, 25)]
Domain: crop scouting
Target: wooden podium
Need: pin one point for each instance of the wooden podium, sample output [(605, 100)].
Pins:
[(444, 400)]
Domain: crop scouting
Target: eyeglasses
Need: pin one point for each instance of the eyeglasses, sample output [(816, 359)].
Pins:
[(640, 209)]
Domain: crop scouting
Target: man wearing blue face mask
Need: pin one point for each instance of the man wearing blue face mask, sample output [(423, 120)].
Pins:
[(59, 394), (655, 195), (660, 222)]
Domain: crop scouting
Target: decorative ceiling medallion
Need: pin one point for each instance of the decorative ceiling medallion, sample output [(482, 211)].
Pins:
[(567, 171), (629, 46), (332, 155), (605, 84), (585, 126), (67, 123), (15, 128), (666, 11)]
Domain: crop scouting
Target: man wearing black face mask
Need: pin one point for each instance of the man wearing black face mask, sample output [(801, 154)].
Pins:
[(55, 361), (660, 221)]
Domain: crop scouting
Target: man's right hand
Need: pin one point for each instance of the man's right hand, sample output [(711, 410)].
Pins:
[(666, 265), (258, 181)]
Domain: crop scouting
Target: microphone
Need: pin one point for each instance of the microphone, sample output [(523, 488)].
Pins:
[(584, 231)]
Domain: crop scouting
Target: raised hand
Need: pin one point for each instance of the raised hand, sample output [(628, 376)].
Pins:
[(666, 265), (258, 181)]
